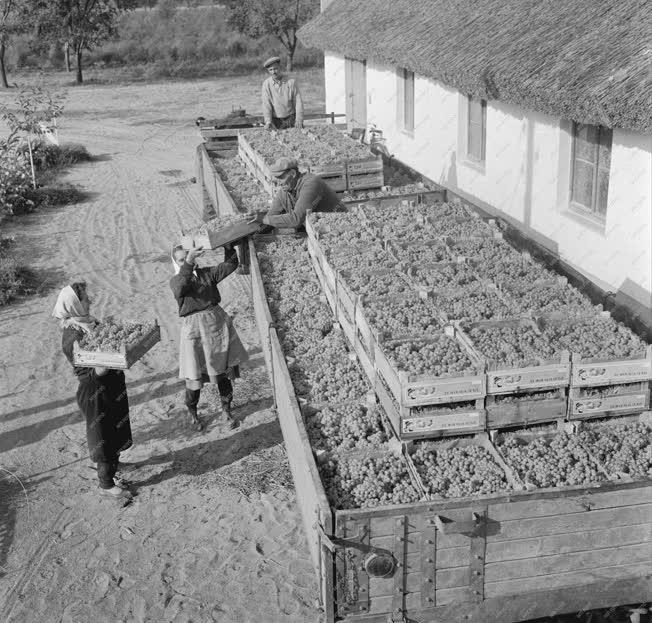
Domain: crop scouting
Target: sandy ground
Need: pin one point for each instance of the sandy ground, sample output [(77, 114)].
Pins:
[(190, 547)]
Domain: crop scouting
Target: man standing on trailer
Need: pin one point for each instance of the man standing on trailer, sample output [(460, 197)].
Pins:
[(298, 193), (282, 103)]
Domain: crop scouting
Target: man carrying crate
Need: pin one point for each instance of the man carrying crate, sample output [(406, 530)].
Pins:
[(282, 103), (298, 193)]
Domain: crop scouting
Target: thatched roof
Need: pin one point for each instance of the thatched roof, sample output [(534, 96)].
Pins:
[(585, 60)]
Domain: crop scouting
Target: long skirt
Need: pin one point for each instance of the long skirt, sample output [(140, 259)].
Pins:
[(209, 344), (105, 407)]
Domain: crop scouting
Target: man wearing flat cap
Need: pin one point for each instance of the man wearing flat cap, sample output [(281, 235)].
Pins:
[(298, 193), (282, 103)]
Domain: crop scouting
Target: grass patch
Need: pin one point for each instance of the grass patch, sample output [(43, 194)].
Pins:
[(15, 280)]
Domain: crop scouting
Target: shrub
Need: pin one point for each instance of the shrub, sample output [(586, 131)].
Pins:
[(15, 280), (15, 179)]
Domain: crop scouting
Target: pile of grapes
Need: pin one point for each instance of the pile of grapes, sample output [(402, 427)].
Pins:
[(468, 228), (344, 427), (598, 336), (362, 482), (421, 253), (372, 258), (482, 250), (558, 461), (403, 316), (621, 447), (445, 276), (511, 346), (246, 192), (267, 145), (308, 151), (549, 298), (458, 472), (329, 138), (441, 357), (513, 271), (111, 335)]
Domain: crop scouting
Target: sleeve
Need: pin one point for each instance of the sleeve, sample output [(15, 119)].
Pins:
[(68, 339), (278, 203), (267, 103), (298, 103), (309, 197), (181, 283), (229, 265)]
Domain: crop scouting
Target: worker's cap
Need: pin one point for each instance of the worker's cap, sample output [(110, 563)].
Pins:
[(272, 61), (282, 165)]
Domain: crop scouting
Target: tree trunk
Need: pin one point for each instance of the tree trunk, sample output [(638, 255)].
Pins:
[(3, 71), (66, 50), (290, 61), (80, 78)]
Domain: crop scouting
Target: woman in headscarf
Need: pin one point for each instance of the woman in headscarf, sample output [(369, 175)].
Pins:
[(101, 395), (210, 350)]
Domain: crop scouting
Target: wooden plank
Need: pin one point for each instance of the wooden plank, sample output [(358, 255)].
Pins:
[(370, 165), (459, 422), (536, 377), (571, 578), (576, 522), (592, 372), (553, 506), (601, 406), (524, 411), (555, 564)]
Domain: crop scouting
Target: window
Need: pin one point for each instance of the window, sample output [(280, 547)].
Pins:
[(406, 99), (590, 168), (477, 132)]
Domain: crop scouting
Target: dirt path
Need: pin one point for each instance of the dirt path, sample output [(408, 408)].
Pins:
[(189, 548)]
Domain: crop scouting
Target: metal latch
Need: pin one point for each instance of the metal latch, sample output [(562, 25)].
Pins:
[(446, 526)]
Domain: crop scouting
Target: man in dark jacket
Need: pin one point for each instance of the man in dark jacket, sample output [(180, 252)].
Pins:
[(298, 193)]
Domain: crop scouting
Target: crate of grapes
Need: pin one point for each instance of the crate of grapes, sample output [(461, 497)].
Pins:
[(594, 371), (394, 196), (430, 369), (219, 232), (524, 408), (333, 174), (609, 400), (517, 355), (116, 345)]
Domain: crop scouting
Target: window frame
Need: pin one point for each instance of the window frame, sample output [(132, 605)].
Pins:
[(406, 109), (483, 130), (593, 211)]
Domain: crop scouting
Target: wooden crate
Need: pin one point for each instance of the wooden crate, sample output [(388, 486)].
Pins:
[(121, 360), (594, 372), (634, 400), (525, 411), (415, 425), (364, 180), (400, 200), (214, 239)]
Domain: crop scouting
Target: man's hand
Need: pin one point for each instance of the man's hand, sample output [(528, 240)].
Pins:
[(298, 125), (258, 217), (193, 254), (101, 371)]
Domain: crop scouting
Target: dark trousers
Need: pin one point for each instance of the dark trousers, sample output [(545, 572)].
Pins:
[(106, 472), (284, 123), (225, 387)]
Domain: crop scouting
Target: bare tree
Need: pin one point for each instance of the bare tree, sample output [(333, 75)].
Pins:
[(280, 18), (10, 24)]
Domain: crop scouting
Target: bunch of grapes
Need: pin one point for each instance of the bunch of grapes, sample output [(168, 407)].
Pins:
[(311, 153), (330, 138), (473, 304), (267, 146), (422, 253), (513, 271), (363, 482), (372, 258), (378, 283), (111, 335), (344, 427), (599, 336), (446, 276), (440, 357), (461, 228), (337, 222), (608, 390), (546, 298), (557, 462), (443, 211), (459, 472), (511, 347), (402, 316), (624, 447), (483, 249)]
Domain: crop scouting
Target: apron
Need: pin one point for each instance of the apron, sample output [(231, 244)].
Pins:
[(209, 344)]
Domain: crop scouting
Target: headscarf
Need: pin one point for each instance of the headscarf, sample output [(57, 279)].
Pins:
[(70, 311), (176, 266)]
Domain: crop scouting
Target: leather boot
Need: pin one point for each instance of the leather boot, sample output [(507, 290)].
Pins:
[(226, 409), (192, 399)]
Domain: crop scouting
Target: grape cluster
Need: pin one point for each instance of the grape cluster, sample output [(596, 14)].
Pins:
[(372, 258), (459, 471), (511, 347), (246, 192), (402, 316), (548, 298), (441, 357), (111, 335), (483, 250), (622, 448), (344, 427), (556, 462), (362, 482), (378, 283), (598, 336), (446, 276), (330, 138), (461, 228), (422, 253), (473, 304)]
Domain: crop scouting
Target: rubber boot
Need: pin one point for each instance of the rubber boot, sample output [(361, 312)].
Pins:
[(192, 399)]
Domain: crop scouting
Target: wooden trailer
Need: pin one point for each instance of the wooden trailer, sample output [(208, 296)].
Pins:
[(493, 559)]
